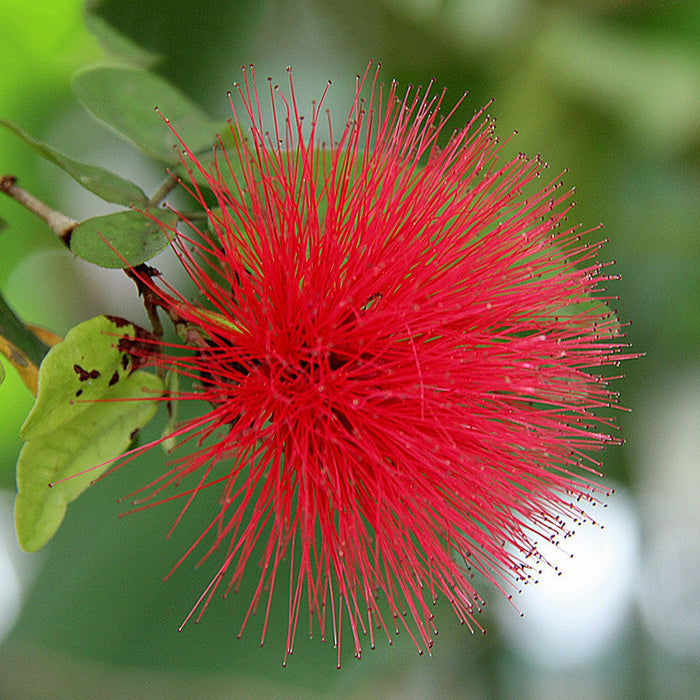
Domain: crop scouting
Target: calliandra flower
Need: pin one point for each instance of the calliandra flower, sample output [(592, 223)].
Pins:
[(400, 354)]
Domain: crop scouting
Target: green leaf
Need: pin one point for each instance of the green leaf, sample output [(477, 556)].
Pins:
[(125, 99), (112, 39), (107, 185), (172, 387), (2, 373), (124, 239), (89, 406)]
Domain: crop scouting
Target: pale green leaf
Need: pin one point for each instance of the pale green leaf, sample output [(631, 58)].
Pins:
[(125, 99), (124, 239), (105, 184), (89, 406)]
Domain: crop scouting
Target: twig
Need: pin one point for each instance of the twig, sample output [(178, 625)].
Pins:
[(59, 223), (161, 193)]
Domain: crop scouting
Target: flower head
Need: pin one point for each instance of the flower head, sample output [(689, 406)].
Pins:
[(400, 352)]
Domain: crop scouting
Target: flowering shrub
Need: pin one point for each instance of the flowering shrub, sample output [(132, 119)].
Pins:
[(399, 341)]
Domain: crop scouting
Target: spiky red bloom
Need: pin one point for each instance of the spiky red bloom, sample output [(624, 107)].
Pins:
[(399, 350)]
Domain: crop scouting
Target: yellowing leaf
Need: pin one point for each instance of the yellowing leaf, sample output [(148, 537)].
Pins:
[(88, 408), (26, 369), (49, 338)]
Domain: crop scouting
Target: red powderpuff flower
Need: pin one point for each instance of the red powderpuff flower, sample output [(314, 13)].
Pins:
[(399, 349)]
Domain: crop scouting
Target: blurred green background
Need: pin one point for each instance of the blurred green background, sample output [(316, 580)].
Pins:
[(609, 90)]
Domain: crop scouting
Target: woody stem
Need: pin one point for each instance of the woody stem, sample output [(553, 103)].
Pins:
[(59, 223)]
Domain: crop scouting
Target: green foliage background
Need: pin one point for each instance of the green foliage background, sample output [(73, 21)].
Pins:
[(610, 90)]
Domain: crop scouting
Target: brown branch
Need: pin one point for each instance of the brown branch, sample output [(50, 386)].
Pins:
[(59, 223)]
